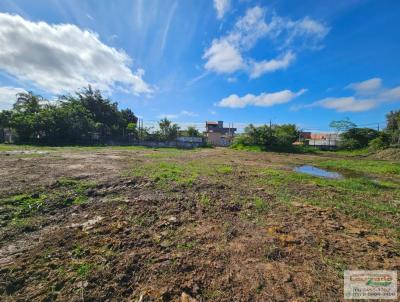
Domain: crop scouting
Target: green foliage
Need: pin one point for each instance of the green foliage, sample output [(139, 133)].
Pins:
[(168, 130), (72, 119), (205, 200), (83, 269), (393, 126), (275, 137), (356, 138), (260, 204), (342, 125), (224, 169), (193, 132)]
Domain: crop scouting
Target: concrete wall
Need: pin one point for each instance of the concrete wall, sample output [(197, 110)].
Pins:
[(218, 139)]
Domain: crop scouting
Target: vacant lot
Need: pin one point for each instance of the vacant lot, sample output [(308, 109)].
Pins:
[(137, 224)]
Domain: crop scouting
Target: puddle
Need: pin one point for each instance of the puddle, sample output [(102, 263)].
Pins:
[(318, 172)]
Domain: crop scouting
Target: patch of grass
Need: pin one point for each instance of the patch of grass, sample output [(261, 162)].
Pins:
[(75, 190), (82, 269), (260, 204), (359, 197), (224, 169), (205, 200), (186, 245), (247, 148), (363, 166), (165, 172), (24, 205), (78, 251)]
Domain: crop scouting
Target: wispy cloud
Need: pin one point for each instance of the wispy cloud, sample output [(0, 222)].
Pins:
[(368, 94), (61, 58), (8, 96), (346, 104), (89, 17), (262, 100), (371, 86), (168, 24), (221, 6), (183, 113), (227, 53), (259, 68)]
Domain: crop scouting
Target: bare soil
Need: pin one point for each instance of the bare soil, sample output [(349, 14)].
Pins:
[(138, 239)]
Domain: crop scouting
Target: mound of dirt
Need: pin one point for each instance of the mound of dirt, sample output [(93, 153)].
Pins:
[(388, 154)]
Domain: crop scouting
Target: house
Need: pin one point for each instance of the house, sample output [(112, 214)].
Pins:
[(325, 141), (217, 135)]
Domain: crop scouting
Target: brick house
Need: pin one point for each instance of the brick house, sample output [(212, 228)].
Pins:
[(217, 135)]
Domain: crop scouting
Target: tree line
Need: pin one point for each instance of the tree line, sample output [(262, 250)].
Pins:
[(84, 117), (353, 137), (282, 137)]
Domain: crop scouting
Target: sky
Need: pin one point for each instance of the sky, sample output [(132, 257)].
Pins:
[(239, 61)]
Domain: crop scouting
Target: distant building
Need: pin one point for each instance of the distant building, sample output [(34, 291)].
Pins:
[(217, 135), (326, 141)]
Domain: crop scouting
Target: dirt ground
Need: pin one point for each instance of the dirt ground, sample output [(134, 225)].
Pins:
[(137, 224)]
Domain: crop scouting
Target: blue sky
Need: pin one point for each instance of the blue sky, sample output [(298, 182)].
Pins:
[(240, 61)]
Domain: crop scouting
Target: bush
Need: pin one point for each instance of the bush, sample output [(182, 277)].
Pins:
[(357, 138), (350, 144)]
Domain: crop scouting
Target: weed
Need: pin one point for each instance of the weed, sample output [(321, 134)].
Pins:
[(78, 251), (224, 169), (83, 269), (260, 204), (205, 200), (186, 245)]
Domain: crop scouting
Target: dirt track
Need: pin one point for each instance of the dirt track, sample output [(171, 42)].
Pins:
[(209, 233)]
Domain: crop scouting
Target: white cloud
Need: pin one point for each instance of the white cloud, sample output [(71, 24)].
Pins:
[(391, 94), (306, 32), (8, 96), (61, 58), (287, 37), (261, 100), (221, 6), (177, 115), (259, 68), (249, 29), (347, 104), (223, 57), (367, 87), (368, 95), (188, 113)]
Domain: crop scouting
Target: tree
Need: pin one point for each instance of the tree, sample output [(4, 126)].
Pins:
[(356, 138), (393, 126), (342, 125), (193, 132), (269, 137), (28, 103), (168, 130)]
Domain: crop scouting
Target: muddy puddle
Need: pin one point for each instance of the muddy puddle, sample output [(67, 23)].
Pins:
[(311, 170)]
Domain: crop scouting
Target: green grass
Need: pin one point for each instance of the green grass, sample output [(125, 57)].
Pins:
[(362, 166), (168, 171), (248, 148), (357, 197), (17, 209), (224, 169), (205, 200), (83, 269), (260, 204)]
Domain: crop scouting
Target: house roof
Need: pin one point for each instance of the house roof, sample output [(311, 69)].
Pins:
[(211, 123)]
